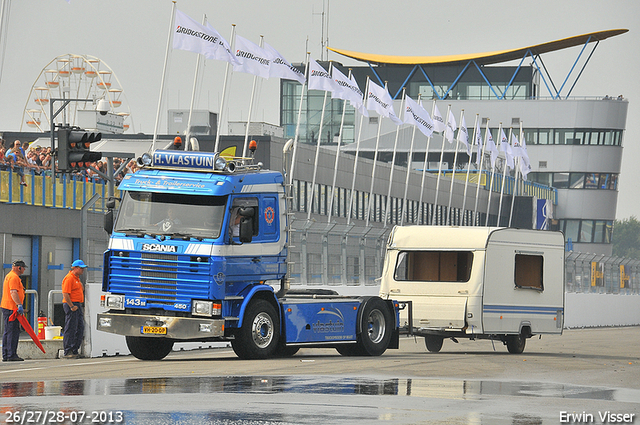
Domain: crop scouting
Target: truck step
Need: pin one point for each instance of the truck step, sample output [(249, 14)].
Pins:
[(232, 318)]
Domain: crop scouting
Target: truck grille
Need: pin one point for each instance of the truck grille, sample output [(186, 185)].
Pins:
[(163, 279)]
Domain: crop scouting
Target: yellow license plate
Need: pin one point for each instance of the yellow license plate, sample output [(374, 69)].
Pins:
[(153, 330)]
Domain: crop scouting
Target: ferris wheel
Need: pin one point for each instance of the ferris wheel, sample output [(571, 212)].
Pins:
[(74, 77)]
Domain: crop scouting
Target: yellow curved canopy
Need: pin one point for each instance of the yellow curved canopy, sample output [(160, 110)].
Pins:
[(482, 58)]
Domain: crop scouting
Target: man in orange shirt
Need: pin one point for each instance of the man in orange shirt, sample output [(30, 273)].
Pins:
[(12, 299), (73, 297)]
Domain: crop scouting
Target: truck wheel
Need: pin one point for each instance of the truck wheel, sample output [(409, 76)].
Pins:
[(260, 332), (350, 350), (145, 348), (377, 326), (433, 343), (515, 343), (286, 351)]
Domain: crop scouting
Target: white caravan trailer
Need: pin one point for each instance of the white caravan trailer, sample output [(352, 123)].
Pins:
[(476, 282)]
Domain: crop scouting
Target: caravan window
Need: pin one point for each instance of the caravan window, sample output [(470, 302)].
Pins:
[(528, 271), (434, 266)]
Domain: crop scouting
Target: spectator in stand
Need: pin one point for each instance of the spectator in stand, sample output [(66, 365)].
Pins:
[(132, 166), (17, 161), (3, 159), (32, 163), (45, 160)]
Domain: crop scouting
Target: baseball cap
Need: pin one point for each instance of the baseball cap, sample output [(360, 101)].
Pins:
[(19, 263), (78, 263)]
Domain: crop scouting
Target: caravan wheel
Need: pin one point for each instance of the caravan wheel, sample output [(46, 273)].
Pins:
[(515, 343)]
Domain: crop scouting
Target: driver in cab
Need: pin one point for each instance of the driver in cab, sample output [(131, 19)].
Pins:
[(169, 222)]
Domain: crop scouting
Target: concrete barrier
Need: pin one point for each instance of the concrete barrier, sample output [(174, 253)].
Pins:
[(594, 310)]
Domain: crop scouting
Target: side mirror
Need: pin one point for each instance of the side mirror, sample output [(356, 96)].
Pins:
[(246, 229), (108, 221), (111, 203)]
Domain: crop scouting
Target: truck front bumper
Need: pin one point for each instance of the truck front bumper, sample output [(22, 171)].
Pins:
[(160, 326)]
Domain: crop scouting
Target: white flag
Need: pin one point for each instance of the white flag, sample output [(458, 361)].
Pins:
[(194, 37), (478, 143), (463, 135), (281, 68), (415, 114), (320, 79), (519, 149), (349, 90), (438, 121), (506, 148), (359, 105), (451, 127), (379, 100), (251, 58), (491, 147)]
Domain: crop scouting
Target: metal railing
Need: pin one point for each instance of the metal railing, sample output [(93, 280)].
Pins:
[(600, 274), (62, 191)]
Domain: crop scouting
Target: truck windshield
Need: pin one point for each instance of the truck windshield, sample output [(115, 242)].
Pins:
[(149, 213)]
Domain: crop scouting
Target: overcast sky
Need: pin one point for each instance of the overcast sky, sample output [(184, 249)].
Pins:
[(130, 36)]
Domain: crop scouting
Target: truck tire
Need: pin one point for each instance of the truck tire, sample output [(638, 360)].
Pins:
[(376, 327), (433, 343), (260, 332), (515, 343), (147, 348), (350, 350), (284, 351)]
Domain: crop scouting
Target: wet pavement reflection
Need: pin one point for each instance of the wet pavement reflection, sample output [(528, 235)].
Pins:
[(303, 399)]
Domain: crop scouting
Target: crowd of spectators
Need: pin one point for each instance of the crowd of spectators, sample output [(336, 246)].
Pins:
[(26, 159)]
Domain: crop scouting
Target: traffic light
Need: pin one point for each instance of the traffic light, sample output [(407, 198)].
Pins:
[(74, 148)]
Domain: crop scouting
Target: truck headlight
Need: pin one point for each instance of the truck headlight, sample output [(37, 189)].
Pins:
[(115, 302), (202, 308)]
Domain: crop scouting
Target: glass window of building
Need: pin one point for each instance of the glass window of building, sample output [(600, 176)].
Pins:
[(545, 136), (586, 231), (576, 181), (561, 180), (591, 181), (531, 136), (571, 228), (599, 230)]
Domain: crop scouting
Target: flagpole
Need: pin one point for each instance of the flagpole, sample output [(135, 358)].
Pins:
[(193, 94), (453, 174), (355, 161), (466, 182), (164, 73), (484, 147), (393, 160), (493, 173), (444, 139), (373, 171), (406, 180), (516, 166), (517, 185), (424, 168), (253, 95), (335, 165), (310, 197), (297, 136), (504, 174), (224, 91)]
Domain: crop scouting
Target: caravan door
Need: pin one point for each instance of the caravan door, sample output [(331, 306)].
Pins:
[(438, 283)]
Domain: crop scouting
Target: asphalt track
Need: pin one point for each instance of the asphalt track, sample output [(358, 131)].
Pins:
[(585, 372)]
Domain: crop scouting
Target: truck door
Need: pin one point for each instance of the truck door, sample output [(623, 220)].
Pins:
[(438, 284)]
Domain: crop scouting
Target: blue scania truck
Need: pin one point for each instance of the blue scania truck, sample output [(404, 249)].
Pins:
[(198, 252)]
